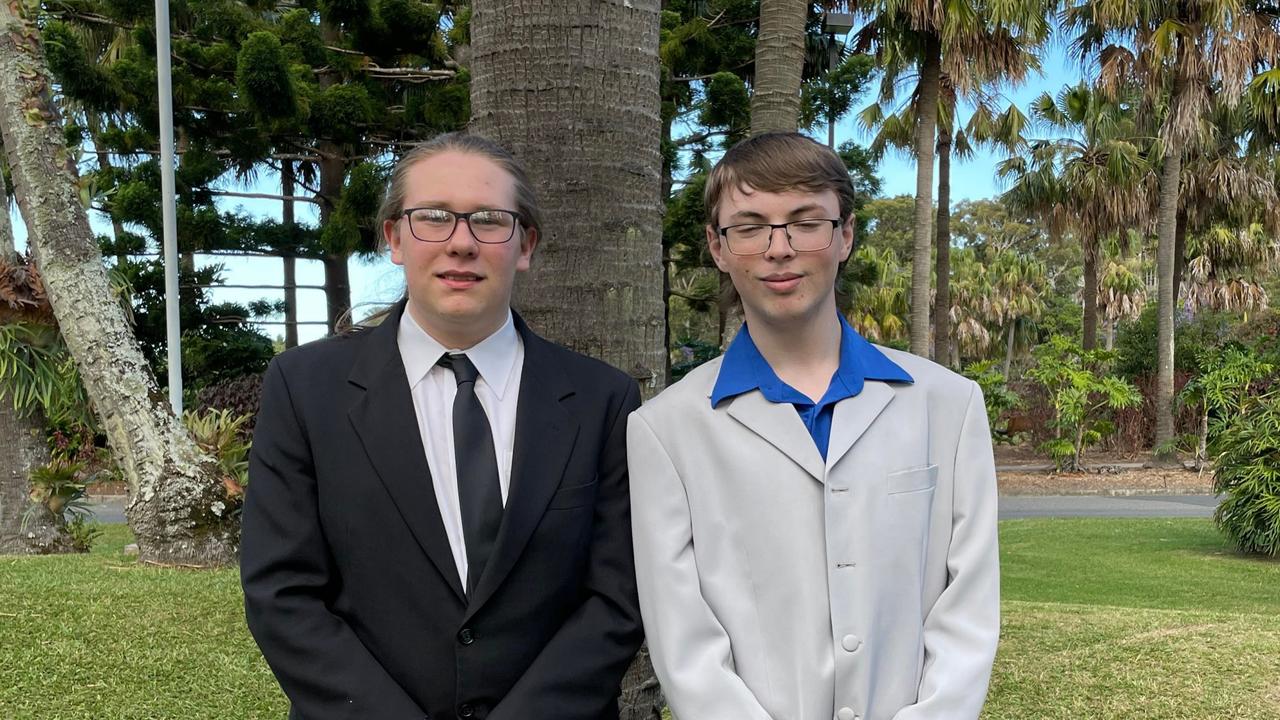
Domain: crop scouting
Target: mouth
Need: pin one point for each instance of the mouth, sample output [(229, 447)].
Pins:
[(459, 279), (781, 282)]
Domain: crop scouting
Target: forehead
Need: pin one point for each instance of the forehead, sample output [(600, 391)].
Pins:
[(746, 200), (459, 179)]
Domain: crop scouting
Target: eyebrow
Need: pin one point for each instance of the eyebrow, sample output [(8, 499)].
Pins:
[(751, 215)]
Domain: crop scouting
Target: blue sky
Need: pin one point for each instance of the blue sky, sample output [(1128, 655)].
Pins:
[(379, 282)]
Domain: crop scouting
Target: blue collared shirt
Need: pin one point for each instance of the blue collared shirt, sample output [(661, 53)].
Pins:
[(744, 369)]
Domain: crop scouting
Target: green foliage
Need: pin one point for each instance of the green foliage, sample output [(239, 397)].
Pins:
[(1246, 452), (830, 95), (58, 490), (221, 434), (262, 76), (727, 106), (692, 353), (69, 60), (1136, 342), (340, 111), (37, 373), (995, 391), (1080, 391)]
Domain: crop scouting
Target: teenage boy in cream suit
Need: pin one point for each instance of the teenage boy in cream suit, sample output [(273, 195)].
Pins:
[(814, 517)]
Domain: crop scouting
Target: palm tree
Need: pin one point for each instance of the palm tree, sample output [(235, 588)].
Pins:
[(1226, 268), (1183, 55), (878, 310), (965, 40), (780, 50), (1121, 294), (1088, 181)]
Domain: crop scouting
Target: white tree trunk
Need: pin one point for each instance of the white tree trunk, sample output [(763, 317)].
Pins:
[(178, 507)]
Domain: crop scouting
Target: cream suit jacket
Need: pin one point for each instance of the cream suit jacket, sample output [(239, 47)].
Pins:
[(776, 586)]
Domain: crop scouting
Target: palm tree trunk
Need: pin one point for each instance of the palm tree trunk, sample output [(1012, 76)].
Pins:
[(1090, 319), (1166, 231), (179, 509), (1111, 334), (942, 300), (290, 262), (775, 97), (1179, 253), (595, 155), (926, 128), (1008, 350)]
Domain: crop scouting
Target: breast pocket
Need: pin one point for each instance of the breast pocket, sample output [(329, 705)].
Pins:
[(573, 497), (911, 480)]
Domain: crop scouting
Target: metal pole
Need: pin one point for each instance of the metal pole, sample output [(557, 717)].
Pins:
[(168, 206)]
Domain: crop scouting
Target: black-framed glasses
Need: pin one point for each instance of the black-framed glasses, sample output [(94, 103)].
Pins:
[(492, 227), (808, 235)]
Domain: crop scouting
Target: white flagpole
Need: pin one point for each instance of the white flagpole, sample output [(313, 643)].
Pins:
[(164, 78)]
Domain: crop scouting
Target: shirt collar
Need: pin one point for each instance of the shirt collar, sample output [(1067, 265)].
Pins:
[(744, 369), (493, 357)]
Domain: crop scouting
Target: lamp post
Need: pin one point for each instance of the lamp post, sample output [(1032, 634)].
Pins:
[(834, 24), (168, 207)]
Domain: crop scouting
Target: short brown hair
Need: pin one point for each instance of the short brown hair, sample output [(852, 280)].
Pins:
[(779, 162), (526, 201)]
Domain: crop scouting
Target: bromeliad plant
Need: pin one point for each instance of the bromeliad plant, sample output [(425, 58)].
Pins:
[(219, 432), (1082, 392)]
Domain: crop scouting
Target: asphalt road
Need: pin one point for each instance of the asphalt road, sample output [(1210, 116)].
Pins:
[(111, 509)]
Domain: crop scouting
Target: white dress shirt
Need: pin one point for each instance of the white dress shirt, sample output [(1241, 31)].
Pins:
[(500, 360)]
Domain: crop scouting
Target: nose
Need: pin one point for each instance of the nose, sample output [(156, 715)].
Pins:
[(462, 242), (779, 250)]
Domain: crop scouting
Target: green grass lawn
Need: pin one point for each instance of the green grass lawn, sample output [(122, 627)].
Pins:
[(1143, 619)]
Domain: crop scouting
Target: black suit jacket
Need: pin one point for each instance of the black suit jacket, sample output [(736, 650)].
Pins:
[(350, 586)]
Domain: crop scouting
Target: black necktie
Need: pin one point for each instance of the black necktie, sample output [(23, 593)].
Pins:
[(478, 490)]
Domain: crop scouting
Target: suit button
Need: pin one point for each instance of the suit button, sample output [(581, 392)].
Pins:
[(465, 637), (466, 711), (850, 643), (845, 713)]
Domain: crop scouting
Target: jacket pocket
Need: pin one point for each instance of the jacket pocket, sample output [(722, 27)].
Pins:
[(911, 480), (572, 497)]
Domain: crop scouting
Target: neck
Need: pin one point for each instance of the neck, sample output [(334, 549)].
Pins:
[(455, 335), (809, 348)]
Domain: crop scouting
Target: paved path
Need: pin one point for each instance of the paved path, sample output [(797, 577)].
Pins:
[(1032, 506), (111, 509)]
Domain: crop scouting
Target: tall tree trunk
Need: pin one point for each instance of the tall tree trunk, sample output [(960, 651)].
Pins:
[(1179, 253), (178, 509), (775, 94), (1166, 230), (1008, 350), (290, 262), (8, 246), (333, 168), (942, 300), (1089, 322), (22, 449), (730, 311), (926, 129), (589, 132)]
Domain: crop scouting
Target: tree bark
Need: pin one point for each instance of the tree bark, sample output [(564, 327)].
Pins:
[(942, 299), (333, 168), (926, 130), (1089, 322), (178, 507), (588, 129), (572, 90), (1008, 351), (22, 449), (775, 96), (1179, 253), (290, 262), (1166, 230)]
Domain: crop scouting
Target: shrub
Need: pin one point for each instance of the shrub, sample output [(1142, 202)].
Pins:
[(1246, 452), (995, 391), (1080, 390)]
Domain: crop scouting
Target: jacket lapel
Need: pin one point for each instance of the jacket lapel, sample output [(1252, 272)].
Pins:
[(854, 415), (385, 421), (544, 440), (778, 424)]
